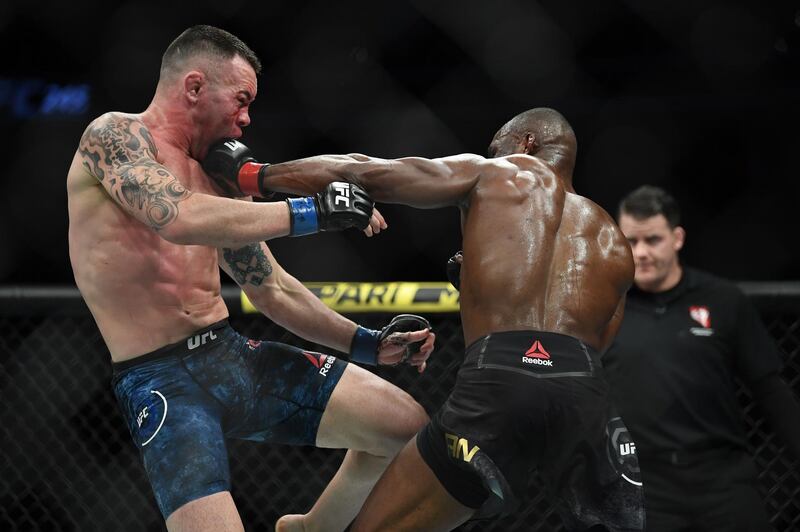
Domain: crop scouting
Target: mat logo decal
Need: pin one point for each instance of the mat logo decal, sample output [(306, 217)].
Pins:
[(537, 354), (459, 448)]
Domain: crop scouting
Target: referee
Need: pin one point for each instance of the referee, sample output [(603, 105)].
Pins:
[(686, 334)]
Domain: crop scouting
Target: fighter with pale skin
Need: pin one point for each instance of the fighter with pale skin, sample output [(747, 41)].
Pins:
[(148, 234)]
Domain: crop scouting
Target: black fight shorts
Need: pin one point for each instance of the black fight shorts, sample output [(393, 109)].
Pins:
[(528, 400)]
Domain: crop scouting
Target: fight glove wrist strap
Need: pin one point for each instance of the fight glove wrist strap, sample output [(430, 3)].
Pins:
[(251, 179), (303, 216), (364, 348)]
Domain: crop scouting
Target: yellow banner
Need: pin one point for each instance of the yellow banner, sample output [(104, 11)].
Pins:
[(379, 297)]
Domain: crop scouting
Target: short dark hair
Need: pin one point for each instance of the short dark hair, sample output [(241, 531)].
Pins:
[(209, 40), (648, 201)]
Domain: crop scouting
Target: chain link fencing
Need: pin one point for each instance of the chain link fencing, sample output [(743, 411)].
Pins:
[(68, 462)]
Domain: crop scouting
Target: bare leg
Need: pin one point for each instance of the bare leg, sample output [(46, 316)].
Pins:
[(215, 512), (372, 418), (409, 497)]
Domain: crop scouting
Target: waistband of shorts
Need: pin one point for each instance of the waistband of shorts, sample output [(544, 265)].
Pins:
[(556, 342), (177, 349)]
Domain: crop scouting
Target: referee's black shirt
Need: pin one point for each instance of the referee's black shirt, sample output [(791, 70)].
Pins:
[(672, 365)]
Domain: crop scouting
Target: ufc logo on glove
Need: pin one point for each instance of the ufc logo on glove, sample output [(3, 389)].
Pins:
[(342, 193)]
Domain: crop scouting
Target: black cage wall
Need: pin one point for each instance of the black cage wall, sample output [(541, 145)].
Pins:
[(68, 462)]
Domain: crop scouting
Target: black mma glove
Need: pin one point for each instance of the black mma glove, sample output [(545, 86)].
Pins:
[(231, 165), (454, 269), (340, 206), (364, 348)]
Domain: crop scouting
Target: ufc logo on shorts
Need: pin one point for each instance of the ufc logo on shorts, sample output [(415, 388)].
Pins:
[(141, 417), (342, 194), (200, 339), (627, 448)]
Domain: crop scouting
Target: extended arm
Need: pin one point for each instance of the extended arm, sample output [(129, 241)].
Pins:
[(119, 152), (414, 181)]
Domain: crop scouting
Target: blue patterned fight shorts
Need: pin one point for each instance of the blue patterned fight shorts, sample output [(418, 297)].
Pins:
[(183, 400)]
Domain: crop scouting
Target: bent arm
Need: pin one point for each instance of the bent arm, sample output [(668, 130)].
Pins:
[(413, 181), (119, 152), (284, 299)]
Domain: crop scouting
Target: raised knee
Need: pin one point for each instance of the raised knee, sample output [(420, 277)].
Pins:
[(409, 418)]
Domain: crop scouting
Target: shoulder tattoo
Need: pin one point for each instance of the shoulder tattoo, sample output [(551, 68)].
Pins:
[(249, 264), (120, 153)]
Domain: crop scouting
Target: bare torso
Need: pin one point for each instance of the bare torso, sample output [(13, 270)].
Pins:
[(538, 256), (143, 291)]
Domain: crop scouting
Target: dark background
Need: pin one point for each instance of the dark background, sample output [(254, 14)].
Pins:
[(699, 96)]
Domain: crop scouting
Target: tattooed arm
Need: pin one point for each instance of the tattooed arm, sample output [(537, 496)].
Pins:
[(284, 299), (119, 152)]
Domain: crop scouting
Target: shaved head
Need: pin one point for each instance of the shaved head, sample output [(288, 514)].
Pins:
[(542, 132), (204, 47)]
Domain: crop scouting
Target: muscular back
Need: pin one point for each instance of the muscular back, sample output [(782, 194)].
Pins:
[(536, 255), (539, 256)]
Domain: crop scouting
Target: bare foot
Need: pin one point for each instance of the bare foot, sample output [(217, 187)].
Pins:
[(290, 523)]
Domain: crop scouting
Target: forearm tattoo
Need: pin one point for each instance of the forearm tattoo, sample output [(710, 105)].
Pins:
[(249, 264), (121, 154)]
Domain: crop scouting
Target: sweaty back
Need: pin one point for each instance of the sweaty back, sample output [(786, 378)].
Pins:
[(538, 256)]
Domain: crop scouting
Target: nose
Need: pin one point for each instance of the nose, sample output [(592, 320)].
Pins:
[(243, 120), (639, 250)]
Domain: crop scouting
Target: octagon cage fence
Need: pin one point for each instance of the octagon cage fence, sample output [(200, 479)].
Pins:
[(68, 462)]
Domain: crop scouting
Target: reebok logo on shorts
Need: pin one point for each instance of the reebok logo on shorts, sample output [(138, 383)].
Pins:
[(318, 360), (537, 354)]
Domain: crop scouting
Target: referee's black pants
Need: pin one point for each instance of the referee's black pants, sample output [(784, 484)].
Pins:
[(702, 492)]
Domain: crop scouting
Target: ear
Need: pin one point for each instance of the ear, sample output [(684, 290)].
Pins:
[(193, 84), (529, 144), (680, 237)]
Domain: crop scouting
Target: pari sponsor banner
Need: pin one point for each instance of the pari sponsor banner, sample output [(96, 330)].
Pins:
[(377, 297)]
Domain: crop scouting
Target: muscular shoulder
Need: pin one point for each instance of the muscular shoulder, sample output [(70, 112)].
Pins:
[(113, 140), (513, 167)]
